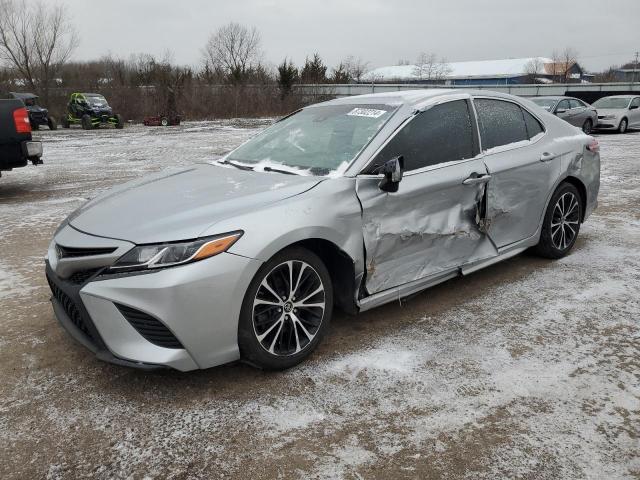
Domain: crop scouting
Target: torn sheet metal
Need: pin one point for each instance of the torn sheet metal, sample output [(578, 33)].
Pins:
[(432, 224)]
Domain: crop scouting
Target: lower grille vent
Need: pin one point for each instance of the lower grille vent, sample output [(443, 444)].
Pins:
[(70, 308), (150, 328)]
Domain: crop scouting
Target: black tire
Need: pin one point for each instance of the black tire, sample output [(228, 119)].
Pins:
[(65, 122), (554, 238), (119, 121), (86, 122), (35, 127), (587, 126), (164, 122), (52, 124), (291, 339), (624, 125)]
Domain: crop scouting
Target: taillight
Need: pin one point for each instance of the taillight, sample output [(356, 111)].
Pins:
[(21, 120), (593, 146)]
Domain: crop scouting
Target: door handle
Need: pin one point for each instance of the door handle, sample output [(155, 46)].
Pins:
[(546, 157), (477, 180)]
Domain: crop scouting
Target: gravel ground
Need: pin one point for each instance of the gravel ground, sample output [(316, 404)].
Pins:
[(527, 369)]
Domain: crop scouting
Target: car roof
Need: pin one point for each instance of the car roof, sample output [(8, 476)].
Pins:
[(554, 97), (622, 96), (411, 98), (23, 96), (92, 94)]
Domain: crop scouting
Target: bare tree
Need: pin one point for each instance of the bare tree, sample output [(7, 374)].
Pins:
[(533, 69), (36, 39), (563, 62), (429, 67), (235, 49), (355, 67)]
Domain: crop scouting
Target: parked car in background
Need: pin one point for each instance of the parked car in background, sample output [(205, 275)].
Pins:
[(37, 115), (17, 148), (618, 112), (572, 110), (90, 110), (354, 202)]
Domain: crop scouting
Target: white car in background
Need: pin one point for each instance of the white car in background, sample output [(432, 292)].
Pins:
[(618, 112)]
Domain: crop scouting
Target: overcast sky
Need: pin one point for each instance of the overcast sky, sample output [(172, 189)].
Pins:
[(604, 32)]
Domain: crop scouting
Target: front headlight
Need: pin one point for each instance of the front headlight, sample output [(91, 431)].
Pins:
[(145, 257)]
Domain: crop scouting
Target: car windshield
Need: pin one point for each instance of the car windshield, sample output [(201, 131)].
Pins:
[(317, 140), (612, 102), (97, 101), (546, 103)]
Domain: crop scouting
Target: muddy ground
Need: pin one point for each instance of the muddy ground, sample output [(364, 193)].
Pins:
[(527, 369)]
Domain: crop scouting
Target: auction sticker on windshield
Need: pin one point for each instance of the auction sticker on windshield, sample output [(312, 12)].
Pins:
[(366, 112)]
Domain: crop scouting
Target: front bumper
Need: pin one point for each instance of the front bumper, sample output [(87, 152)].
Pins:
[(607, 124), (199, 303)]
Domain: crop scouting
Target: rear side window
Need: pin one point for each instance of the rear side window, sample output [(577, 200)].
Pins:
[(534, 127), (636, 102), (501, 123), (441, 134)]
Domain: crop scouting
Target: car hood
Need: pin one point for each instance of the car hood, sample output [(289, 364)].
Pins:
[(182, 204), (610, 111)]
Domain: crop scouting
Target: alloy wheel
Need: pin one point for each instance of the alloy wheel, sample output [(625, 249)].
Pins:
[(288, 308), (565, 221)]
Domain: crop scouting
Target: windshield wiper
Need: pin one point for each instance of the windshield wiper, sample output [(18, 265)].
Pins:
[(277, 170), (237, 165)]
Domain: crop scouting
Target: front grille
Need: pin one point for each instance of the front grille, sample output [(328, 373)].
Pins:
[(73, 252), (81, 277), (70, 308), (150, 328)]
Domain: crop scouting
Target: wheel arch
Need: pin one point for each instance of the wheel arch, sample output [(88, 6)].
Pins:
[(341, 269)]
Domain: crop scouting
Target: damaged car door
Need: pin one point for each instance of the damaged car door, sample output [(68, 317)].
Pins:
[(524, 164), (432, 223)]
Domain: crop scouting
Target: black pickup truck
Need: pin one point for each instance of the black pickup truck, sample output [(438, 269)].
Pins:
[(17, 147)]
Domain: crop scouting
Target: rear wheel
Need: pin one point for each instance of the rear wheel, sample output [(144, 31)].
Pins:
[(587, 126), (164, 122), (65, 122), (286, 310), (561, 222), (624, 124), (119, 121), (86, 122), (35, 126), (52, 124)]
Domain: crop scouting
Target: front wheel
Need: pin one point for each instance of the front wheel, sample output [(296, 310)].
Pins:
[(587, 126), (561, 222), (624, 124), (52, 123), (119, 121), (286, 310)]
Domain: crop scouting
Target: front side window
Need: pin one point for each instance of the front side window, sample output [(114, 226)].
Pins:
[(444, 133), (575, 103), (317, 139), (546, 103), (501, 123), (563, 105)]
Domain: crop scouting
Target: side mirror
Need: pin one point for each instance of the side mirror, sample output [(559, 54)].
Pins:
[(392, 171), (633, 107), (561, 110)]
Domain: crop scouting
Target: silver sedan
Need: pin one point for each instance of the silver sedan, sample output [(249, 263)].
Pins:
[(618, 112), (573, 110), (351, 203)]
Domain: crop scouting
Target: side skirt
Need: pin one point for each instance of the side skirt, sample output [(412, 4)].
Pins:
[(402, 291)]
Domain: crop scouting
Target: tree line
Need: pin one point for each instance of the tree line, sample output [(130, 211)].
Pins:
[(233, 79)]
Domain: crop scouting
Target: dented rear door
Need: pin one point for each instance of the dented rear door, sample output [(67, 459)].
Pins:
[(432, 224)]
